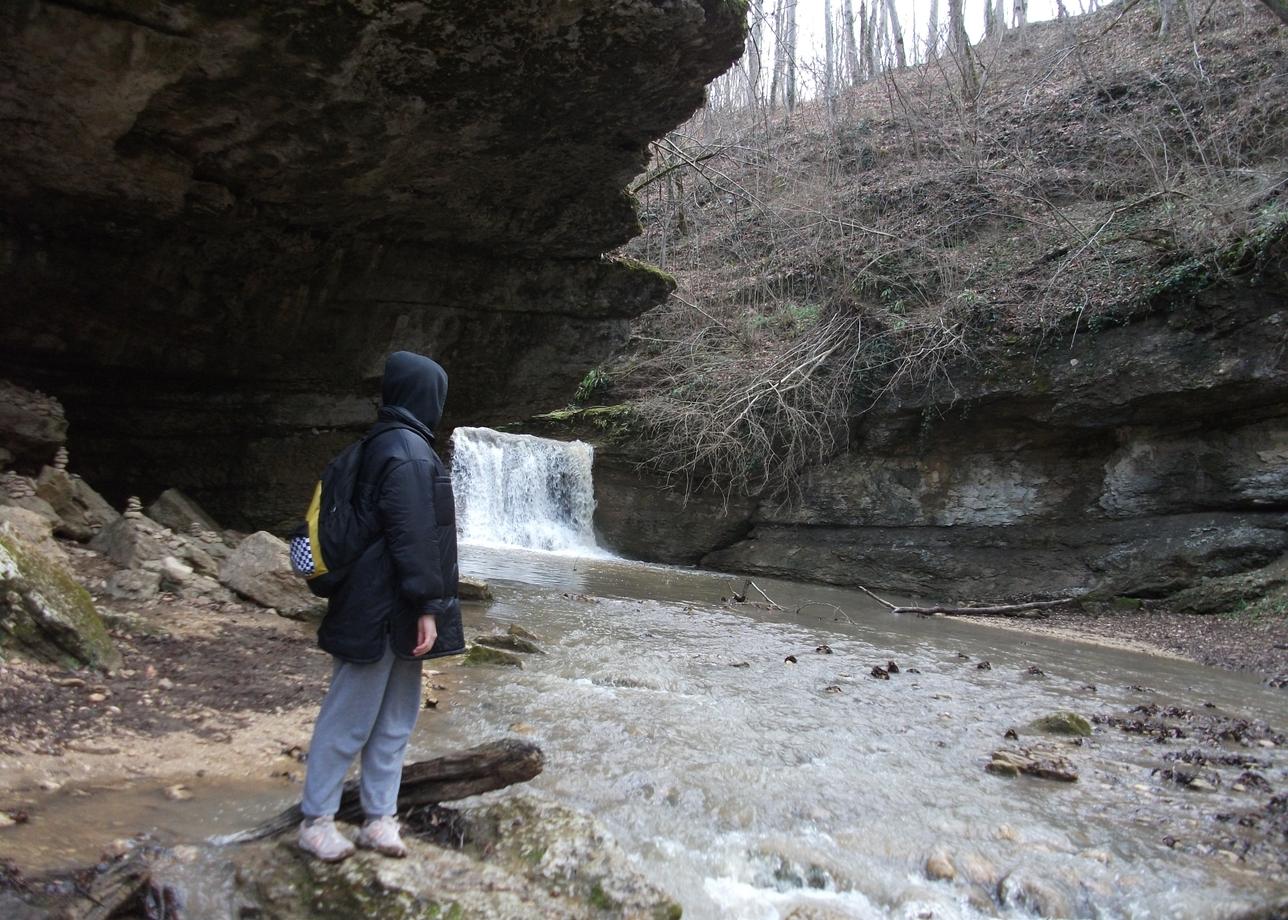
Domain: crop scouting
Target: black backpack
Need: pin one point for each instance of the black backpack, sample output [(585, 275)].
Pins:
[(333, 534)]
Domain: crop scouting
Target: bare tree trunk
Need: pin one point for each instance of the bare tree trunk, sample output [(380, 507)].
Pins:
[(957, 40), (753, 55), (851, 44), (776, 80), (829, 56), (989, 22), (999, 14), (1061, 11), (882, 36), (865, 45), (896, 33), (1021, 16), (1165, 10), (932, 32), (789, 63), (870, 43)]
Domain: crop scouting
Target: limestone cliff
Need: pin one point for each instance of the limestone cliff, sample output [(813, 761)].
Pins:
[(1142, 458), (217, 216)]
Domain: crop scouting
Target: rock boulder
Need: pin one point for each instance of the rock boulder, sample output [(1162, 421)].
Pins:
[(32, 425), (259, 569), (44, 613)]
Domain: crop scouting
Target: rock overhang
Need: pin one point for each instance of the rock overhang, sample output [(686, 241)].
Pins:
[(217, 216)]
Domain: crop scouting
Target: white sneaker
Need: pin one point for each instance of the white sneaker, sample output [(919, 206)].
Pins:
[(319, 837), (381, 835)]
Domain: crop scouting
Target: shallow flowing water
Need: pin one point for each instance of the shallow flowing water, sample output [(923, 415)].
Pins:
[(746, 787)]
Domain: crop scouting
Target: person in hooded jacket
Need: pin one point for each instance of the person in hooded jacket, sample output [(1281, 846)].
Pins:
[(396, 606)]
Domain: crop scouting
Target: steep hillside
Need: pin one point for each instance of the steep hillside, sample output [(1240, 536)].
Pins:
[(1021, 342)]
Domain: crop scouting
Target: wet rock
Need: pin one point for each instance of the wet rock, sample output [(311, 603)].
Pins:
[(509, 643), (179, 512), (891, 668), (1062, 723), (1042, 765), (259, 569), (879, 672), (983, 666), (824, 650), (940, 868), (473, 589), (516, 630), (1025, 890), (45, 614), (1034, 671), (482, 655), (32, 425)]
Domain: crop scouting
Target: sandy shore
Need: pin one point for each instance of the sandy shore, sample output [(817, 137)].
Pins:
[(1234, 643)]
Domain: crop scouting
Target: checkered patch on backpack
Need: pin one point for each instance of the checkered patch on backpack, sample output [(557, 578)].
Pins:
[(301, 556)]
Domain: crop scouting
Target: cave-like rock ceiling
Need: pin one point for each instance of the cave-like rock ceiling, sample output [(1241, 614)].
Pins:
[(217, 216)]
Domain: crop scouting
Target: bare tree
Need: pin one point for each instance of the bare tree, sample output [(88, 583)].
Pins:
[(829, 56), (851, 44), (957, 40), (868, 15), (896, 34), (999, 16), (776, 78), (788, 41), (932, 32), (753, 54), (1021, 16)]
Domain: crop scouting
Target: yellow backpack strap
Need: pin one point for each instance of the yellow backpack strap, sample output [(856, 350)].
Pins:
[(311, 519)]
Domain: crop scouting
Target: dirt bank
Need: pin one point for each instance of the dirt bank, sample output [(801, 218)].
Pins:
[(1253, 642), (215, 689)]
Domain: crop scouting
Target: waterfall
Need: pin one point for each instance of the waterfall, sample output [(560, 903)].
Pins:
[(519, 490)]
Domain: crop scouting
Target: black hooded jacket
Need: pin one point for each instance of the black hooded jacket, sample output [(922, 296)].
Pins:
[(411, 570)]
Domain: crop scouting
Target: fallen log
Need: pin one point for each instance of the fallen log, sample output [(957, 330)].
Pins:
[(1029, 610), (458, 775), (1026, 610)]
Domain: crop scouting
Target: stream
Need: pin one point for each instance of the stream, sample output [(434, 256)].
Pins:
[(757, 788), (747, 788)]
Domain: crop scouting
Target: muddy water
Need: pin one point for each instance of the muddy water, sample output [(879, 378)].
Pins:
[(747, 787)]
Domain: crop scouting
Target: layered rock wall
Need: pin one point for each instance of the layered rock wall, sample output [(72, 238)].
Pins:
[(1135, 459), (217, 217)]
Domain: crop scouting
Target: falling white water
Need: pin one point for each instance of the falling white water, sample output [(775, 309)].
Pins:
[(519, 490)]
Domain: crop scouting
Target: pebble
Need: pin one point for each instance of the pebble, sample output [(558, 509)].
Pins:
[(178, 793), (940, 868), (97, 697), (50, 785), (165, 683), (6, 821)]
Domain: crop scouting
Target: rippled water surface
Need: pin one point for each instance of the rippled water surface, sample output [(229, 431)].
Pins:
[(750, 787), (747, 787)]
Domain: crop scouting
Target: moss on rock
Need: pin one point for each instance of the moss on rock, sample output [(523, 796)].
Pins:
[(45, 614)]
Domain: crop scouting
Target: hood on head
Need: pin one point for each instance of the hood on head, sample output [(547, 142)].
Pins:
[(417, 384)]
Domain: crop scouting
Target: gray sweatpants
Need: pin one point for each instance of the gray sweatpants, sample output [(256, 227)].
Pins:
[(369, 709)]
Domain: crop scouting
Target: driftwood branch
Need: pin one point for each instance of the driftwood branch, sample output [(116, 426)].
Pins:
[(1027, 610), (458, 775), (769, 600)]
